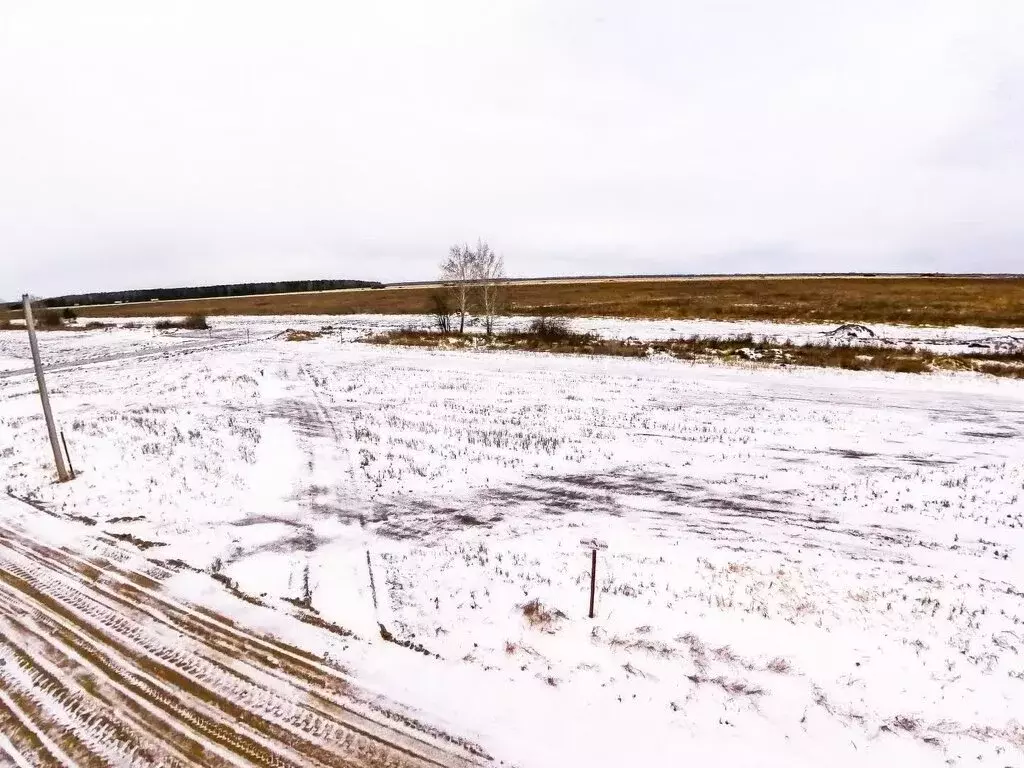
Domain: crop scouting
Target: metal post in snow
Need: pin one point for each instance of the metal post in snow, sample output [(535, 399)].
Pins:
[(373, 586), (44, 395), (71, 467), (593, 579)]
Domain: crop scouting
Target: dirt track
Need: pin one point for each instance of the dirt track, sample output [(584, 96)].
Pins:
[(99, 667)]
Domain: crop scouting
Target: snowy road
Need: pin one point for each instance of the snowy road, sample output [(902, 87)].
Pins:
[(99, 667)]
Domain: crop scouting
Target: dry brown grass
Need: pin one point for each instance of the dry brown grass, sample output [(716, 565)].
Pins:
[(1001, 369), (851, 358), (742, 349), (540, 616), (734, 687), (921, 300), (301, 335), (536, 614), (131, 539), (568, 344)]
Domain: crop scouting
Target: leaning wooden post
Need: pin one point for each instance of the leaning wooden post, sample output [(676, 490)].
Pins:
[(58, 458)]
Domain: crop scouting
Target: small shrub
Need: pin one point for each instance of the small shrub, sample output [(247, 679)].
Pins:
[(540, 616), (69, 315), (195, 323), (412, 337), (190, 323), (536, 613), (48, 318), (550, 334), (551, 328), (905, 723), (5, 319), (442, 312)]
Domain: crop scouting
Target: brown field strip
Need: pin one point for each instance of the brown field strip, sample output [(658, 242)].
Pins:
[(985, 301)]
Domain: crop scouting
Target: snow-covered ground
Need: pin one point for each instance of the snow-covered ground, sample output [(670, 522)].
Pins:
[(76, 346), (100, 665), (948, 340), (793, 565)]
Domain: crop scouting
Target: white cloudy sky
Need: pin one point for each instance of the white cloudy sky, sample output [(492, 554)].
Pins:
[(154, 143)]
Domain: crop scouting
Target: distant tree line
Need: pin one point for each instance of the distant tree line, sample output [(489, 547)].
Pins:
[(200, 292)]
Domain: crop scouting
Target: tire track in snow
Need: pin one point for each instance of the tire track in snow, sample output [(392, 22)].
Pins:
[(348, 441), (101, 669)]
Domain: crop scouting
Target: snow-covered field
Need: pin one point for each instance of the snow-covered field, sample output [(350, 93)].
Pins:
[(117, 341), (793, 565)]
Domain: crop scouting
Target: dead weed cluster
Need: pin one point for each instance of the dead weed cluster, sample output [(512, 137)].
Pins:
[(560, 339), (541, 617)]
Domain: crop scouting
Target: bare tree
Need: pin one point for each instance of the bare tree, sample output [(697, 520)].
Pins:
[(442, 311), (489, 282), (458, 271)]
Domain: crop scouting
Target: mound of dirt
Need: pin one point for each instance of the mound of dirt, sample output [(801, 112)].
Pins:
[(851, 331)]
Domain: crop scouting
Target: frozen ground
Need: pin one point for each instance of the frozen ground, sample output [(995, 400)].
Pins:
[(949, 340), (63, 347), (100, 666), (794, 565)]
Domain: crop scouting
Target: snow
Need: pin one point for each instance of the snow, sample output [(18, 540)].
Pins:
[(75, 345), (948, 340), (12, 753), (800, 565)]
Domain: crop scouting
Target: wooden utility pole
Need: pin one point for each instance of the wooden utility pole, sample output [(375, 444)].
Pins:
[(58, 457)]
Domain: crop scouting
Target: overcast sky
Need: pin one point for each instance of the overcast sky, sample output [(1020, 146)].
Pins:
[(165, 143)]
